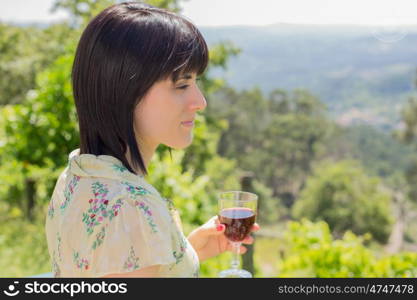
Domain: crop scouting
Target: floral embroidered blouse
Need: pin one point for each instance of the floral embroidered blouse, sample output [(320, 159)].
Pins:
[(103, 219)]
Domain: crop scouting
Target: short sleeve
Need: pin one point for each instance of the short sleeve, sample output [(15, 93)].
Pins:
[(137, 233)]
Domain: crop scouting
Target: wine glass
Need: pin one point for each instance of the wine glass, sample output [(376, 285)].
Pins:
[(237, 211)]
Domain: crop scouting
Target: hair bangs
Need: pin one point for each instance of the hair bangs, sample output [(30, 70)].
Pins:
[(189, 52)]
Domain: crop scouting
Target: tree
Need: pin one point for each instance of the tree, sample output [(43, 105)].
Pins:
[(409, 118), (26, 51), (408, 136), (81, 11), (41, 132), (277, 137), (341, 194)]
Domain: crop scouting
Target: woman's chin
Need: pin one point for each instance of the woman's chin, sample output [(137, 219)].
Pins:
[(181, 146)]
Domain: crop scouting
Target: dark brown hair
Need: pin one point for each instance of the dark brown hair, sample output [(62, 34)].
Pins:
[(122, 52)]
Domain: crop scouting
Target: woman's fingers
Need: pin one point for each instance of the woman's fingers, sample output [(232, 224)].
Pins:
[(248, 240), (216, 219), (255, 227)]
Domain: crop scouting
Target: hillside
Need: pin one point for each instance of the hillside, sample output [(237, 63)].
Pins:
[(359, 77)]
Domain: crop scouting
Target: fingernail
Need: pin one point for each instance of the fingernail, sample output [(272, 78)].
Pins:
[(220, 227)]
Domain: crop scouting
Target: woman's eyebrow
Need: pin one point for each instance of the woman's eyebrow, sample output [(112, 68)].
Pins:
[(180, 77)]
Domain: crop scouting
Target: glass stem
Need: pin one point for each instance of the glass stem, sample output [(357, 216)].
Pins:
[(235, 257)]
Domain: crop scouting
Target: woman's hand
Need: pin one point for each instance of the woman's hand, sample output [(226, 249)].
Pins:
[(209, 240)]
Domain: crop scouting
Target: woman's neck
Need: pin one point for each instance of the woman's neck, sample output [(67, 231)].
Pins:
[(146, 153)]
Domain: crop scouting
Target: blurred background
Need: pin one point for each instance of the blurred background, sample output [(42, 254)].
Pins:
[(311, 105)]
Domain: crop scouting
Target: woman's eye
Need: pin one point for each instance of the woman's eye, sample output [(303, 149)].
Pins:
[(183, 87)]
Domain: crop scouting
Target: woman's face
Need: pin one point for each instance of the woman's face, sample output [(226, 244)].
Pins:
[(159, 117)]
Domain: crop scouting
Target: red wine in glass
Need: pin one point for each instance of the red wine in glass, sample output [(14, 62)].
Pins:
[(238, 221), (237, 210)]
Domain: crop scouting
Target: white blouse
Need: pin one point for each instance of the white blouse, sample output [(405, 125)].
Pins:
[(103, 219)]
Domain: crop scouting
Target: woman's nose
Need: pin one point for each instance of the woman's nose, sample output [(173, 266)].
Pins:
[(199, 101)]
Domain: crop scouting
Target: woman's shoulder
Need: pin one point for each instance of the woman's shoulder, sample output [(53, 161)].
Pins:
[(99, 199), (109, 188), (74, 192), (106, 173)]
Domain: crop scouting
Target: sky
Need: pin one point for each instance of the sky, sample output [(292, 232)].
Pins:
[(252, 12)]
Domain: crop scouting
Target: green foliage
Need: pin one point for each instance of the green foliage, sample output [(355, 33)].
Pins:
[(399, 265), (187, 193), (312, 252), (14, 172), (39, 135), (12, 184), (195, 196), (23, 245), (380, 153), (408, 115), (276, 137), (43, 130), (82, 11), (341, 194), (411, 177), (24, 52), (270, 209), (266, 255), (212, 266), (409, 136)]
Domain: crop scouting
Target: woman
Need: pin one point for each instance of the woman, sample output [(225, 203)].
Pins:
[(134, 84)]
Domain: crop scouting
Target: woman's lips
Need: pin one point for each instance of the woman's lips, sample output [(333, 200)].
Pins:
[(188, 123)]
